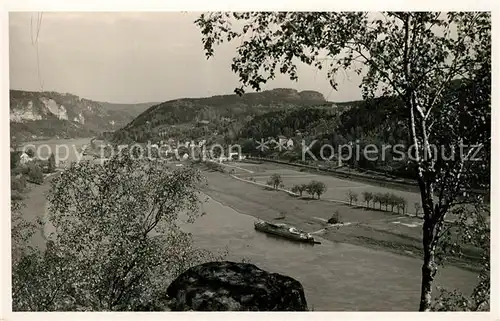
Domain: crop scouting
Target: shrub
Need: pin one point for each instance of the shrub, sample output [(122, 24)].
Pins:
[(16, 195), (335, 219), (269, 186), (216, 167), (34, 173), (18, 183), (14, 159)]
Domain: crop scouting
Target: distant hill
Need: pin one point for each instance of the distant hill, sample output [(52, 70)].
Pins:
[(133, 110), (46, 115), (197, 116)]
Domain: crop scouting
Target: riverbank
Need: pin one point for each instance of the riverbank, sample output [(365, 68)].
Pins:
[(337, 276), (369, 228)]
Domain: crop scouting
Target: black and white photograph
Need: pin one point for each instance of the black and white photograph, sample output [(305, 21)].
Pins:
[(264, 161)]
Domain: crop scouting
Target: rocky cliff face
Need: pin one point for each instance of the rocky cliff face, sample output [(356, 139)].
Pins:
[(230, 286), (35, 115)]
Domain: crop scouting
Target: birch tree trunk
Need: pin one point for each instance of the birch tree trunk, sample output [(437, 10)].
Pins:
[(429, 267)]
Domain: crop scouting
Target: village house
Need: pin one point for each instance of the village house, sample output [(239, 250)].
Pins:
[(24, 158)]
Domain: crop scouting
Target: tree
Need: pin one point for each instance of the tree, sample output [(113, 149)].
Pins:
[(276, 180), (317, 188), (299, 189), (310, 189), (393, 201), (52, 163), (14, 159), (352, 196), (401, 204), (414, 56), (30, 153), (355, 198), (377, 198), (367, 196), (116, 243), (418, 207)]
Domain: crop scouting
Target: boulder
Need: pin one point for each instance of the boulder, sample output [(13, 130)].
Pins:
[(231, 286)]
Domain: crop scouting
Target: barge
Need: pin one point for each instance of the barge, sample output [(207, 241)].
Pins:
[(285, 231)]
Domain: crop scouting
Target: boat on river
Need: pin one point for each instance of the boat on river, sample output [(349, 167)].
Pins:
[(285, 231)]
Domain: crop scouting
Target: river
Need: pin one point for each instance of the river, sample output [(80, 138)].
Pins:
[(335, 276), (66, 150)]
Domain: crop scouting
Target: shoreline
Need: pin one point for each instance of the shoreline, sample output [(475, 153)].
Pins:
[(355, 233)]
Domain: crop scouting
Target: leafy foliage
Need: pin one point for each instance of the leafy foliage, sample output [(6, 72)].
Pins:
[(367, 196), (51, 163), (412, 56), (275, 180), (116, 242), (352, 197), (31, 170), (288, 122), (97, 116), (200, 117), (335, 219), (472, 229)]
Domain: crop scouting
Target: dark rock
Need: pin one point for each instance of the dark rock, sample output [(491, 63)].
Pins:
[(230, 286)]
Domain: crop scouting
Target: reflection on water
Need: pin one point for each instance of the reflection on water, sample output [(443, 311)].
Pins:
[(335, 276)]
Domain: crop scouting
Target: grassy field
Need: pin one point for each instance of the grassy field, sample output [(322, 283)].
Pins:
[(368, 227)]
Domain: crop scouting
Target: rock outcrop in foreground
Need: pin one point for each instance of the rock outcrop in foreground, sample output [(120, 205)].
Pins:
[(230, 286)]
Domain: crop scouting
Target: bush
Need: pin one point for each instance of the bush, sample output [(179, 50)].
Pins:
[(216, 167), (335, 219), (51, 164), (275, 180), (14, 159), (18, 183), (33, 172), (16, 195)]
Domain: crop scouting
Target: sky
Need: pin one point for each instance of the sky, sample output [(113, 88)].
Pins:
[(134, 57)]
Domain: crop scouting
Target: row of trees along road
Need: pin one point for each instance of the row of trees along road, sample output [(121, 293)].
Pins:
[(438, 65)]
